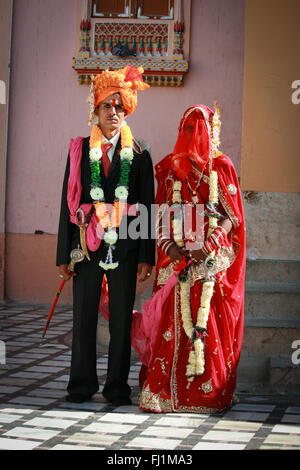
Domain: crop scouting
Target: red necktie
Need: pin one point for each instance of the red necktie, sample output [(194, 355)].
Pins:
[(105, 158)]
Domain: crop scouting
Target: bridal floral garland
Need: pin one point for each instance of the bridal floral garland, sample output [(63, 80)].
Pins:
[(197, 332), (110, 222)]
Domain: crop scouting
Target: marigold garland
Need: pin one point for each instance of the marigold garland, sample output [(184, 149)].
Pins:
[(110, 222)]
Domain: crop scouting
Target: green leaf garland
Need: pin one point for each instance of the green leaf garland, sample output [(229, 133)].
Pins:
[(95, 174)]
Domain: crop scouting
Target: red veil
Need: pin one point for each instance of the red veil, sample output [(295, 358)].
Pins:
[(158, 335), (192, 144)]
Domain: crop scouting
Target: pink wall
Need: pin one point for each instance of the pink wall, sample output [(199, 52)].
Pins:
[(48, 106)]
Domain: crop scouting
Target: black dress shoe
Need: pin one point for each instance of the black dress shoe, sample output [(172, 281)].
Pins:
[(118, 401), (77, 398), (121, 401)]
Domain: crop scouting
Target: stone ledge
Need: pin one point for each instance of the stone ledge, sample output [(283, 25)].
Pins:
[(263, 322), (273, 287), (283, 362), (272, 271)]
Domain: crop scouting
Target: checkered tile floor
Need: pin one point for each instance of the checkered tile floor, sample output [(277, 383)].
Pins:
[(34, 415)]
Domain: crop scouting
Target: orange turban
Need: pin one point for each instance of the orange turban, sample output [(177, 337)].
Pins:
[(125, 81)]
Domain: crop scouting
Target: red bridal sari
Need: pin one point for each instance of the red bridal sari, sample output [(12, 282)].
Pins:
[(165, 350)]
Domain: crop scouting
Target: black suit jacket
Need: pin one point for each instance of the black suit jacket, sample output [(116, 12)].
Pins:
[(141, 190)]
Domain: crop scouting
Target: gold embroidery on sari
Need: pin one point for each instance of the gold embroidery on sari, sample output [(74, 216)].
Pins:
[(228, 208), (197, 409), (229, 366), (221, 288), (173, 381), (162, 364), (168, 335), (207, 386), (153, 401)]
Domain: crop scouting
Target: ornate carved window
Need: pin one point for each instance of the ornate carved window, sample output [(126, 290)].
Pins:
[(150, 33)]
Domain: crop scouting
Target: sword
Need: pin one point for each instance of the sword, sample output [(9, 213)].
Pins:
[(82, 224), (77, 256)]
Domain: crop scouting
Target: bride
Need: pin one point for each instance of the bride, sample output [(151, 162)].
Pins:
[(189, 336)]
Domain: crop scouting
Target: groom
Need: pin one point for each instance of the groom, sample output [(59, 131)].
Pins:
[(114, 96)]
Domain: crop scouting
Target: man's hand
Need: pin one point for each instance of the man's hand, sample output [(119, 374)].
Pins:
[(198, 255), (144, 271), (64, 273)]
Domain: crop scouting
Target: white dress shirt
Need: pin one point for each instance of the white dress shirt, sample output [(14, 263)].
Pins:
[(113, 141)]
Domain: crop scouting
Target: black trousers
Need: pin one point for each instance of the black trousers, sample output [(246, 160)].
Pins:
[(86, 296)]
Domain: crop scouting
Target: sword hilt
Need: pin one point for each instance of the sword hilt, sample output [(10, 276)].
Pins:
[(77, 256), (81, 219)]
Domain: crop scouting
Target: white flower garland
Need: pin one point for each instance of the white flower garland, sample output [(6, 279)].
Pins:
[(196, 360), (213, 199), (177, 216)]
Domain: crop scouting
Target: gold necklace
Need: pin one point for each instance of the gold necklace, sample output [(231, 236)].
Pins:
[(194, 191)]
